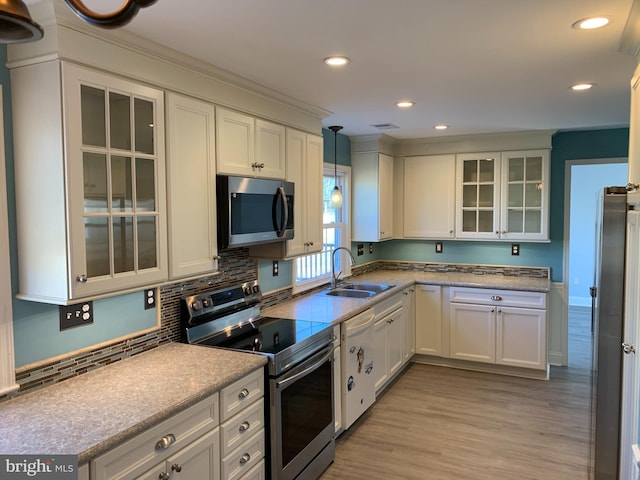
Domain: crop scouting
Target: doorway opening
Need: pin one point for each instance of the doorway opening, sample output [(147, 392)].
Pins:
[(585, 179)]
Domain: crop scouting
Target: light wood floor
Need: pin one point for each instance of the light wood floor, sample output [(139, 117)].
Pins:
[(437, 423)]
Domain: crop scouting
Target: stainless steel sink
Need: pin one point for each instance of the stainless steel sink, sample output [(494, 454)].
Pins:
[(372, 287), (348, 292), (357, 290)]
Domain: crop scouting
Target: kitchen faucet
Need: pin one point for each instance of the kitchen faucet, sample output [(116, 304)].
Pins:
[(334, 277)]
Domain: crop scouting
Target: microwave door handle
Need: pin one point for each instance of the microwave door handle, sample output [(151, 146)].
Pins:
[(285, 212)]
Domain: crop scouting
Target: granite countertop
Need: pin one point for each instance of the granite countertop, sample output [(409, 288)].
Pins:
[(317, 306), (92, 413)]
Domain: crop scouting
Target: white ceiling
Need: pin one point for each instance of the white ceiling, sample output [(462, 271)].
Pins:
[(479, 66)]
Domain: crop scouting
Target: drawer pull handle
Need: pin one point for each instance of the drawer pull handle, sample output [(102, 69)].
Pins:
[(244, 427), (244, 393), (245, 458), (166, 441), (496, 298), (176, 467)]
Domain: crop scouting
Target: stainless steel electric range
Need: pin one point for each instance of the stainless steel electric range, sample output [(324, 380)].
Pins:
[(299, 374)]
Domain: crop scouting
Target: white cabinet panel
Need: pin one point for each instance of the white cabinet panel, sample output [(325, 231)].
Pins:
[(191, 186), (372, 197), (473, 332), (429, 320), (429, 196), (521, 337)]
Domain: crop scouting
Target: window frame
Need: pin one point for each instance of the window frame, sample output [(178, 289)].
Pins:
[(344, 182)]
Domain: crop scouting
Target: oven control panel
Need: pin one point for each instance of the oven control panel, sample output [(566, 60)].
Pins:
[(222, 300)]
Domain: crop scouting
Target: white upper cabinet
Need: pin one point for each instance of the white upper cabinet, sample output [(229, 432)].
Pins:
[(634, 137), (525, 183), (503, 196), (191, 186), (429, 196), (247, 146), (372, 194), (478, 196), (304, 169), (90, 192)]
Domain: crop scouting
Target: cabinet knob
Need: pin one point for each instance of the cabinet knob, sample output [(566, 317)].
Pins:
[(166, 441), (164, 476), (628, 348), (245, 458), (82, 278), (244, 427), (244, 393), (217, 257), (176, 467)]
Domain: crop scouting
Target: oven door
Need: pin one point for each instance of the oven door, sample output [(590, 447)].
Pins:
[(302, 425)]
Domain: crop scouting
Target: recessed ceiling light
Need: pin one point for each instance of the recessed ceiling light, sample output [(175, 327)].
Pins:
[(405, 104), (591, 23), (336, 61), (580, 87), (441, 127)]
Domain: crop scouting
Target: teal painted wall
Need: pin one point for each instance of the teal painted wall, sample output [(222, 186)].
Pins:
[(37, 335)]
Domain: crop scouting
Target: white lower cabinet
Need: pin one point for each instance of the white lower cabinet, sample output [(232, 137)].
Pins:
[(499, 326), (473, 332), (428, 323), (409, 314), (388, 342), (194, 444), (199, 460)]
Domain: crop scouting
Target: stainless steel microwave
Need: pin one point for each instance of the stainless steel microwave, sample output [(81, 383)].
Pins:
[(253, 211)]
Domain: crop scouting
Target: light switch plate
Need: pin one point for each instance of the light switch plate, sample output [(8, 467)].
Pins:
[(76, 315), (438, 247)]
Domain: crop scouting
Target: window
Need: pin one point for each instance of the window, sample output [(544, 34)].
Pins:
[(312, 270)]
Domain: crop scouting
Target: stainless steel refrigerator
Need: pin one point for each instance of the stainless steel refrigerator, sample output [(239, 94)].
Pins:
[(607, 328)]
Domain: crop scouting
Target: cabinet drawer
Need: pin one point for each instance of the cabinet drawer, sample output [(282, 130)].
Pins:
[(143, 451), (256, 473), (241, 460), (485, 296), (239, 428), (241, 394)]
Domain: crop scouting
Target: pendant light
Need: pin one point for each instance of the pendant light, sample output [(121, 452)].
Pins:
[(120, 17), (336, 195), (16, 25)]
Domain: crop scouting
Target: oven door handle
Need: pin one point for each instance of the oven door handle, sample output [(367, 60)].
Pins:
[(317, 364)]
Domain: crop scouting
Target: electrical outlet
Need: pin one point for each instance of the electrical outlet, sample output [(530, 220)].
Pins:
[(371, 248), (438, 247), (360, 249), (149, 298), (76, 315), (515, 249), (275, 268)]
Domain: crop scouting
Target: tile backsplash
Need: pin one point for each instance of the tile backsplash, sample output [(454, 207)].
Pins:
[(235, 267)]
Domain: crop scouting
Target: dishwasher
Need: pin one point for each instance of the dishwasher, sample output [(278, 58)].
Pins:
[(358, 389)]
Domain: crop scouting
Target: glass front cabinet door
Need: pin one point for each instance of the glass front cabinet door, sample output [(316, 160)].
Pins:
[(525, 183), (116, 170), (478, 196), (503, 195)]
